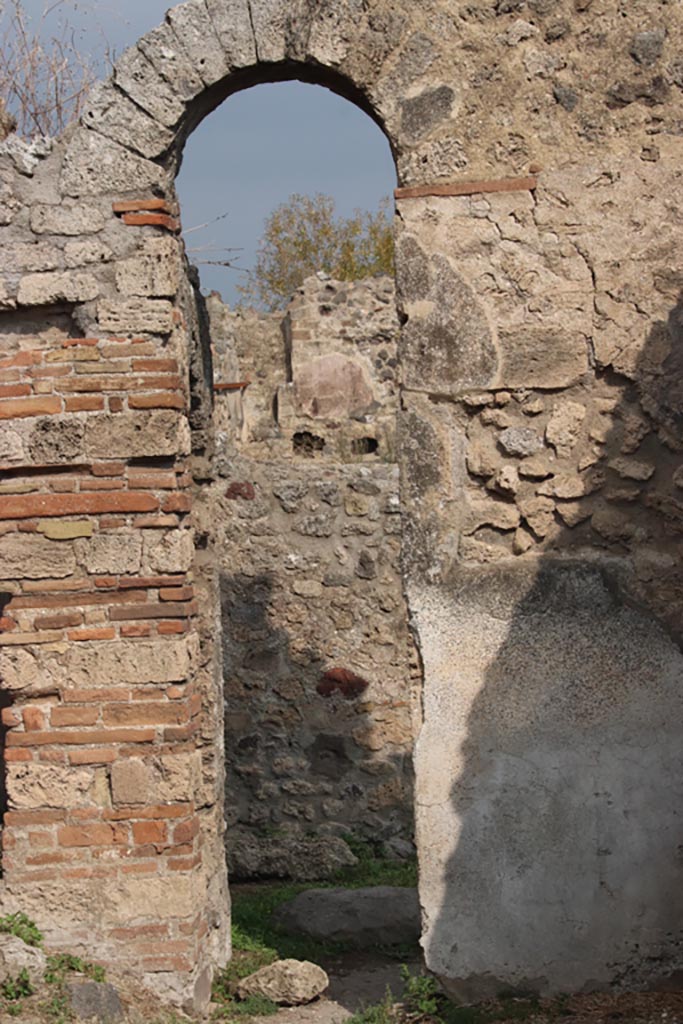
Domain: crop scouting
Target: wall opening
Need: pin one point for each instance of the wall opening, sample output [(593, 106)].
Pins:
[(321, 680)]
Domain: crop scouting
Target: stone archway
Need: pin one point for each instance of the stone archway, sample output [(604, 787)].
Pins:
[(518, 300)]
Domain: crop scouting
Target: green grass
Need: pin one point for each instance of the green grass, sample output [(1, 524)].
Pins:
[(257, 941)]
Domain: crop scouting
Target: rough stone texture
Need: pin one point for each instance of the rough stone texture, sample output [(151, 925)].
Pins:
[(93, 1000), (16, 956), (308, 534), (547, 734), (288, 982), (251, 855), (382, 915)]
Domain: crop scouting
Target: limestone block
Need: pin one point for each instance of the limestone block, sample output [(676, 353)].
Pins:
[(197, 36), (131, 782), (132, 435), (114, 553), (153, 272), (162, 49), (139, 78), (47, 289), (127, 661), (20, 670), (289, 982), (30, 256), (79, 254), (170, 552), (174, 896), (11, 446), (56, 439), (135, 316), (28, 557), (113, 114), (179, 777), (232, 21), (94, 165), (543, 358), (77, 219), (37, 785), (269, 18), (16, 956)]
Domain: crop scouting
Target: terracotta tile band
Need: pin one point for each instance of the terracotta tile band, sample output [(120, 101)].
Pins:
[(468, 188)]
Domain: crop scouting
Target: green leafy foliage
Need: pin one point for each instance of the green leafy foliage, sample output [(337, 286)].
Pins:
[(61, 964), (380, 1013), (420, 992), (305, 235), (18, 987), (23, 927)]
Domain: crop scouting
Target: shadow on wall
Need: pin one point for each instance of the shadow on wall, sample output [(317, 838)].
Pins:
[(569, 795), (291, 725)]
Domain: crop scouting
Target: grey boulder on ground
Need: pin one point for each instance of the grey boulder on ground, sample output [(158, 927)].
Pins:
[(305, 860), (92, 1000), (16, 956), (290, 982), (377, 916)]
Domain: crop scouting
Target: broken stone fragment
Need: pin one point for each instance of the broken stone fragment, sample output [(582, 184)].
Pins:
[(17, 956), (632, 469), (506, 481), (498, 514), (523, 541), (536, 468), (564, 427), (520, 441), (539, 514), (573, 513), (287, 982)]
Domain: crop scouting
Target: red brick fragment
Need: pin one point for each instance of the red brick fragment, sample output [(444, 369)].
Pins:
[(241, 489), (135, 205), (157, 220), (342, 680)]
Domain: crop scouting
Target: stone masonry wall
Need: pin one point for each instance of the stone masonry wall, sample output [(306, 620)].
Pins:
[(538, 444), (321, 682)]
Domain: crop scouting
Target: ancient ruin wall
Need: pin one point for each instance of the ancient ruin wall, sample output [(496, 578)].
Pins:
[(321, 682), (547, 779)]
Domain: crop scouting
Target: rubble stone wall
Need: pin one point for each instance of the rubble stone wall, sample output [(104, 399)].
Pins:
[(321, 682), (539, 432)]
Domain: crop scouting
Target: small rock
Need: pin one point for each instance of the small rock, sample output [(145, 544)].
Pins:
[(564, 427), (287, 982), (520, 441), (632, 469), (94, 1000), (506, 481), (398, 849), (539, 514), (300, 858), (572, 513), (646, 48), (678, 478), (556, 30), (379, 915), (16, 956), (536, 468), (650, 154), (533, 407), (565, 96), (477, 399), (522, 542), (519, 31)]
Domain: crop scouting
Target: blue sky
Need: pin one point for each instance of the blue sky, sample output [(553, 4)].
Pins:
[(257, 149)]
